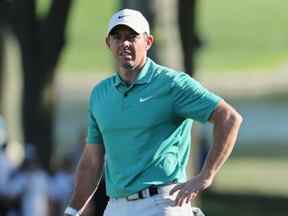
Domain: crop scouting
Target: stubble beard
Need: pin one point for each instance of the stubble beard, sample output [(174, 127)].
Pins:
[(128, 66)]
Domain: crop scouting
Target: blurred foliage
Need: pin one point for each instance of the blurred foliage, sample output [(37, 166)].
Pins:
[(222, 204), (261, 176), (42, 6), (243, 34), (86, 49), (237, 35)]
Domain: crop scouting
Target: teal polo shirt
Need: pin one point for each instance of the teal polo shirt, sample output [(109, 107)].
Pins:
[(146, 127)]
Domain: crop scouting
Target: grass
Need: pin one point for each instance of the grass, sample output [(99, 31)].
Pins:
[(237, 34), (252, 184), (256, 168), (222, 204), (86, 50), (262, 176), (243, 34)]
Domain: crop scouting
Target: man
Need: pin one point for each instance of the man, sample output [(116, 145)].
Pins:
[(139, 130)]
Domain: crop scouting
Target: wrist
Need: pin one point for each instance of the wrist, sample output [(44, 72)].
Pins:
[(71, 211), (207, 175)]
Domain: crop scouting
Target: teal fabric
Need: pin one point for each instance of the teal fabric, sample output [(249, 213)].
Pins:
[(146, 127)]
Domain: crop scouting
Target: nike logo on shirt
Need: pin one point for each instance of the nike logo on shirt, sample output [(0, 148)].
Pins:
[(145, 99)]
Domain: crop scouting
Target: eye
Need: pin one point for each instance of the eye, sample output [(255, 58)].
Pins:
[(133, 36), (116, 36)]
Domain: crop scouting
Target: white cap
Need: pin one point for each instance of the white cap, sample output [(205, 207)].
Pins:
[(131, 18)]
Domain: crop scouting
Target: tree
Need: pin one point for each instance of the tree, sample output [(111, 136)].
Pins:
[(1, 67), (189, 38), (3, 26), (41, 40)]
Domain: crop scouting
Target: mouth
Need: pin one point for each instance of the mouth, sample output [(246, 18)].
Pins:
[(126, 54)]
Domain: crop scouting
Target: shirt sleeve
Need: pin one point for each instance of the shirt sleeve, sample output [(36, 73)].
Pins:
[(191, 99), (94, 135)]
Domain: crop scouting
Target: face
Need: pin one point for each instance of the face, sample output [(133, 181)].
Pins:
[(128, 47)]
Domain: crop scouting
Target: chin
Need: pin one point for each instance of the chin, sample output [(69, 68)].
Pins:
[(128, 65)]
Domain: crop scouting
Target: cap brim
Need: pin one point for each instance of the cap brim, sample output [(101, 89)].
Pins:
[(133, 27)]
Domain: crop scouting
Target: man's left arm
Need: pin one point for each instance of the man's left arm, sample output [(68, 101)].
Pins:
[(226, 121)]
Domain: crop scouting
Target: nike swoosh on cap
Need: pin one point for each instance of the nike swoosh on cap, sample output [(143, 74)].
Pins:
[(120, 17)]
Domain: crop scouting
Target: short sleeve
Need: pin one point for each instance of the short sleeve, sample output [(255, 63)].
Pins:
[(94, 135), (191, 99)]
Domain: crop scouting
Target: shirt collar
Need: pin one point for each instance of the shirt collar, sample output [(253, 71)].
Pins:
[(117, 80), (144, 76)]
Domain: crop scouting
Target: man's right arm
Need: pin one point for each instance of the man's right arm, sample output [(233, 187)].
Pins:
[(88, 174)]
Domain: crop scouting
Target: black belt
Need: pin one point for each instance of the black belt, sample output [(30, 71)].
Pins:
[(148, 192)]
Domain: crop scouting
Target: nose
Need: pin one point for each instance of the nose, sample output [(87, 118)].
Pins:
[(125, 42)]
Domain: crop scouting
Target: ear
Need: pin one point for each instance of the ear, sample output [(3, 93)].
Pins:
[(149, 41), (107, 41)]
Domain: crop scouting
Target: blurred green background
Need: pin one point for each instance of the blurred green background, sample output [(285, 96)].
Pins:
[(239, 35), (244, 59), (246, 45)]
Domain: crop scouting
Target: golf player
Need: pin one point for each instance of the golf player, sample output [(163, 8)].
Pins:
[(139, 130)]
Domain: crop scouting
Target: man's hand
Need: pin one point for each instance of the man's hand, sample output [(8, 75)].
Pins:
[(226, 122), (189, 190)]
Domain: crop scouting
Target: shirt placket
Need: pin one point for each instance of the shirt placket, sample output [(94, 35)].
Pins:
[(125, 96)]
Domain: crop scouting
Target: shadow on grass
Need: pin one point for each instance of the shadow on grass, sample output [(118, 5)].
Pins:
[(222, 204)]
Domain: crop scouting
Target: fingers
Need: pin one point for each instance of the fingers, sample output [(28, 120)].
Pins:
[(181, 194), (192, 196), (189, 198), (185, 196), (176, 188)]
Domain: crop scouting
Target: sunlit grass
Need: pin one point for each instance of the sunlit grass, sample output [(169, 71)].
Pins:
[(243, 34), (238, 35), (255, 175), (86, 49)]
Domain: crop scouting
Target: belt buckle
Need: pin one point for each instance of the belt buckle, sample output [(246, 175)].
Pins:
[(133, 197)]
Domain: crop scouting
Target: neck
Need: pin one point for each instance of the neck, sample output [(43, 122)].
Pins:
[(128, 76)]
